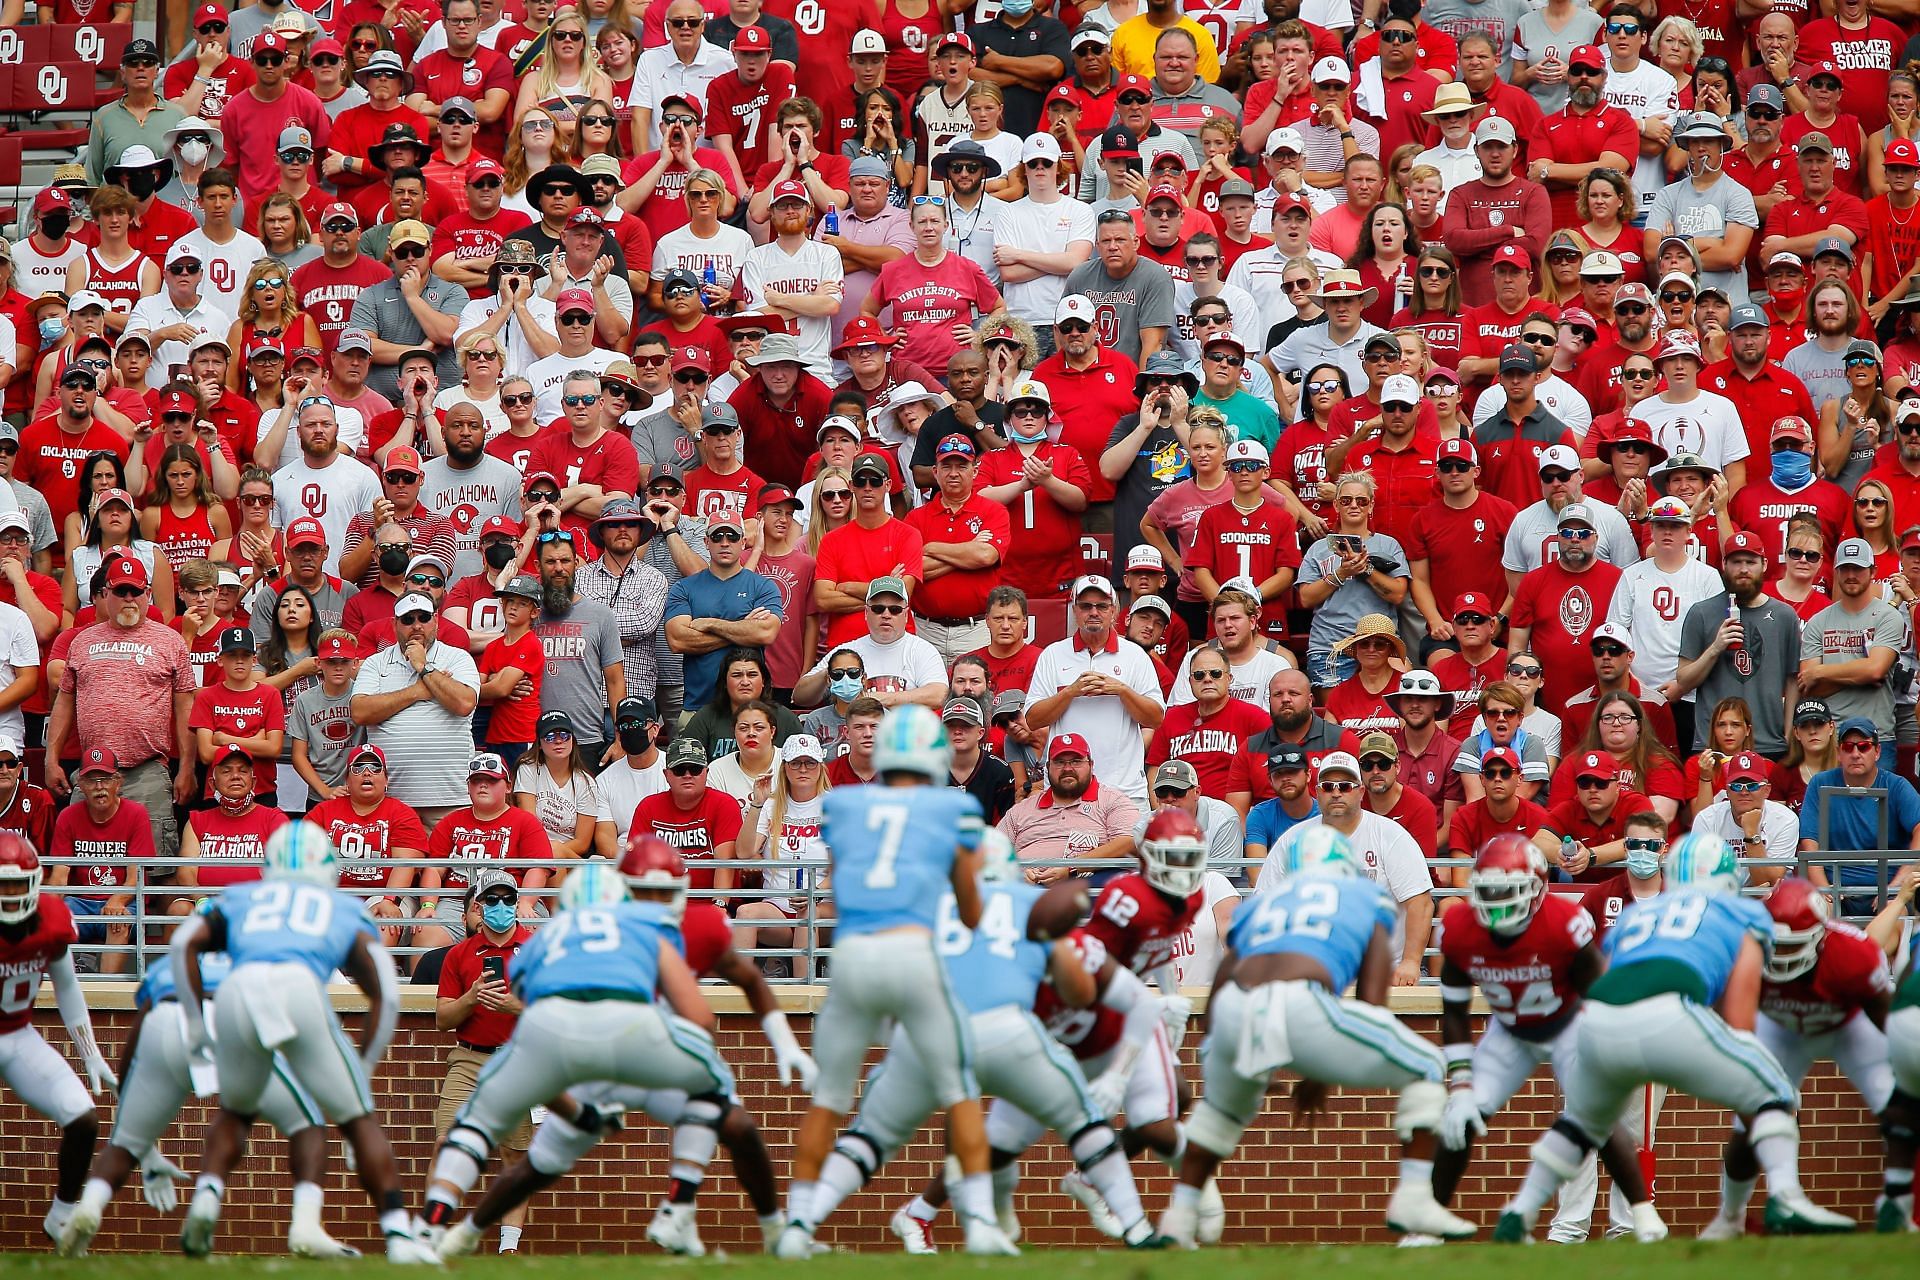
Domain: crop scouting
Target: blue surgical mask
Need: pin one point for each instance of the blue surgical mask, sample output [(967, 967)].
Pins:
[(846, 688), (499, 916), (1643, 864), (1792, 470), (1016, 7), (51, 330), (1037, 438)]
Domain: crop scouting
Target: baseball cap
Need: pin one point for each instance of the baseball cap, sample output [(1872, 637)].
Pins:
[(954, 40), (1494, 129), (126, 571), (1595, 764), (1857, 724), (804, 746), (1560, 456), (483, 167), (1743, 543), (1090, 582), (1399, 389), (1746, 315), (1332, 70), (1339, 762), (1146, 557), (685, 751), (236, 640), (1176, 773), (1853, 553), (1251, 450), (1902, 151), (1041, 146), (964, 709), (1669, 511), (522, 587), (753, 39), (1459, 447), (1588, 55), (1513, 255), (1068, 744), (1812, 711), (354, 340), (867, 41), (1613, 633), (1075, 306), (486, 764), (887, 585), (1815, 141), (555, 721), (304, 532), (1285, 757), (1471, 602), (870, 463), (636, 711), (1120, 143), (413, 602), (789, 189), (1516, 358), (97, 760), (955, 445), (1501, 755), (1151, 604), (1600, 265), (573, 300), (1379, 744), (1748, 767), (1286, 138)]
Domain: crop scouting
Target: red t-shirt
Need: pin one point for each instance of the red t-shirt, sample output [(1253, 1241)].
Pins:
[(515, 451), (440, 76), (30, 812), (1464, 680), (1045, 555), (462, 968), (464, 838), (1763, 508), (1462, 547), (104, 847), (327, 293), (1570, 818), (609, 461), (1474, 824), (359, 129), (1663, 781), (1865, 56), (1208, 743), (1015, 672), (50, 460), (233, 849), (367, 841), (242, 713), (514, 719), (854, 553), (1562, 609), (223, 82), (1567, 138), (697, 833), (1299, 460), (709, 494), (469, 238)]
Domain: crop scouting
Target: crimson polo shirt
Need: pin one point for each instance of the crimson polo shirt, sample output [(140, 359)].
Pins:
[(1089, 401), (1762, 401), (960, 593), (1096, 109), (1403, 481), (1510, 452), (1758, 176), (779, 438), (1570, 137), (1570, 818), (487, 1028), (1802, 216)]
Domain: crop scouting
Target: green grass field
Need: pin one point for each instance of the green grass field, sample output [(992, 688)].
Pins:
[(1863, 1257)]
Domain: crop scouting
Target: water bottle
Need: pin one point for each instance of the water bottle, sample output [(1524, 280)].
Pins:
[(1569, 850), (708, 279), (833, 221), (1733, 615)]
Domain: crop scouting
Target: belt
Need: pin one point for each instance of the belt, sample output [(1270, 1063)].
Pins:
[(958, 622), (471, 1047)]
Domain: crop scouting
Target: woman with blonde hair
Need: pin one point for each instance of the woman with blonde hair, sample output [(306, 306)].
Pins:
[(256, 546), (782, 822), (285, 233), (567, 78), (1560, 282), (267, 310), (482, 365), (1605, 205), (535, 143), (1400, 171), (832, 505), (987, 109), (1675, 47), (182, 515), (1873, 524)]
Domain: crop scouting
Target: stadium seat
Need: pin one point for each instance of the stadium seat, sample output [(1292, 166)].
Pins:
[(65, 88), (25, 46), (1046, 621), (98, 46), (1097, 550)]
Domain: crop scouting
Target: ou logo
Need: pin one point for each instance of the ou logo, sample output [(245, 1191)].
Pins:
[(810, 16), (52, 84), (220, 272), (13, 50), (336, 313), (90, 46)]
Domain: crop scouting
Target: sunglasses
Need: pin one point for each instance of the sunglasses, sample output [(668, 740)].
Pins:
[(1295, 286), (211, 28), (1762, 114), (1206, 262), (1244, 467), (1638, 375), (869, 482), (1745, 787), (1608, 649), (557, 735), (1629, 308), (650, 362), (1073, 326), (887, 610), (678, 117), (1435, 273), (516, 401), (723, 535), (1539, 339), (578, 399), (836, 495), (935, 200), (340, 226), (1378, 764), (718, 429), (1576, 534), (129, 593), (426, 580), (1322, 388), (686, 24), (1207, 675), (366, 766), (605, 122), (409, 251), (1861, 362), (569, 37), (1869, 502), (269, 59), (1500, 713), (1594, 784), (1623, 28), (364, 46), (1525, 672), (256, 499), (1500, 774), (687, 770), (1339, 788), (1676, 295), (1226, 357), (1856, 747), (1396, 36)]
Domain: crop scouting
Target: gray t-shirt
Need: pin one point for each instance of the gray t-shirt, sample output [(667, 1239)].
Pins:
[(382, 309), (580, 645), (1537, 526), (329, 603), (1823, 371), (1683, 210), (1141, 299), (1226, 844), (427, 746), (1533, 39), (1756, 673), (664, 445), (326, 726), (468, 498), (1837, 634), (1498, 19), (1352, 600)]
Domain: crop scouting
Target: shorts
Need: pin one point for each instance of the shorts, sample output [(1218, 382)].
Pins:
[(269, 1014), (161, 1075), (898, 976), (88, 921), (1856, 1046), (464, 1066)]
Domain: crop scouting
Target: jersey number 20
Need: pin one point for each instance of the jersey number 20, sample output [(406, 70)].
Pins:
[(283, 905)]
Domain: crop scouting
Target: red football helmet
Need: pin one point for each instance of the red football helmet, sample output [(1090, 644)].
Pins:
[(19, 878), (1173, 852), (1507, 883), (648, 862), (1799, 912)]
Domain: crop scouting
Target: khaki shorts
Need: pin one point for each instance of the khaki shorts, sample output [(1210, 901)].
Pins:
[(463, 1072)]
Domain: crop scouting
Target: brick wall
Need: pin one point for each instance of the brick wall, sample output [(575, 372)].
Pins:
[(1284, 1186)]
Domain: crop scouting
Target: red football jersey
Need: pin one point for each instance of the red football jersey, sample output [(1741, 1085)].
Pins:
[(1528, 980), (464, 838), (705, 936), (24, 962), (1257, 544), (367, 841), (1046, 554), (1138, 925), (1851, 971)]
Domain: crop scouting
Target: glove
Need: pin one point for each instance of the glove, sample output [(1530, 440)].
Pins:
[(157, 1176), (1108, 1091), (200, 1040), (1175, 1010), (99, 1073), (791, 1060), (1462, 1117)]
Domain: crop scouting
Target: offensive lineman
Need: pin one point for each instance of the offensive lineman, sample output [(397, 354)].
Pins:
[(1826, 994), (1276, 1004), (1533, 956), (1677, 1006), (35, 933), (893, 851), (1901, 1120), (285, 933)]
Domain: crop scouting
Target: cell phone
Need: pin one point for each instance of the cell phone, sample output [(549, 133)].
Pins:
[(495, 967), (1346, 543)]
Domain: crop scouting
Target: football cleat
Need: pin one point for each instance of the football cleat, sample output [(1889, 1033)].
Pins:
[(986, 1240), (1799, 1216), (1893, 1215), (1413, 1209), (82, 1225), (403, 1250), (795, 1243), (310, 1240), (203, 1215), (1213, 1213), (1141, 1235), (673, 1228), (1179, 1225), (1648, 1227), (459, 1240), (1414, 1240), (54, 1225), (1089, 1199), (1511, 1228), (915, 1236), (1723, 1228)]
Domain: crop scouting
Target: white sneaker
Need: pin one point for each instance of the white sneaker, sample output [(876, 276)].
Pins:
[(795, 1243), (1179, 1225), (428, 1235), (1724, 1228), (1009, 1220), (1076, 1186), (1797, 1215), (405, 1251), (1213, 1213), (1414, 1240), (460, 1240), (310, 1240), (1413, 1209), (1648, 1226), (674, 1229), (82, 1225), (914, 1235), (203, 1215), (55, 1223), (986, 1239)]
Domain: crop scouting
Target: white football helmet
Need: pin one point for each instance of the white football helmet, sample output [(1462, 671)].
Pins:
[(912, 740), (301, 851), (1316, 849), (999, 864), (593, 884), (1699, 860)]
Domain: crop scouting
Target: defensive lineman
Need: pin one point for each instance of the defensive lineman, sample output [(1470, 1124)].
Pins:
[(894, 850), (997, 968), (35, 932), (1903, 1047), (1677, 1007), (1276, 1004), (285, 933)]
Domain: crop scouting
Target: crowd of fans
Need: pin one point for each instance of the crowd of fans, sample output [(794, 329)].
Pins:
[(490, 428)]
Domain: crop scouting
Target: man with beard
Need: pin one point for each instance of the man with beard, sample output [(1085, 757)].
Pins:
[(1764, 507), (323, 484), (128, 689), (1848, 649), (1074, 816), (52, 449), (467, 486), (1290, 703), (796, 277), (1644, 603), (1760, 389), (1292, 804), (634, 590), (1597, 377), (1589, 132), (1426, 749), (586, 668), (1821, 361), (1742, 644), (327, 287), (1711, 209), (1512, 443), (1556, 608), (1799, 223), (1499, 208)]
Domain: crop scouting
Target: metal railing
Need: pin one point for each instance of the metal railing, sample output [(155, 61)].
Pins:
[(806, 960)]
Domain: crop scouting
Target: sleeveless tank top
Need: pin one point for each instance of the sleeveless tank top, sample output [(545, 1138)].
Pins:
[(120, 286), (184, 538)]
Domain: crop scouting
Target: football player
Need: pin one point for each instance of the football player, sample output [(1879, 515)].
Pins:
[(998, 967), (285, 934), (35, 932), (156, 1077), (655, 872), (893, 850), (1277, 1005), (1533, 956), (1900, 1122), (1678, 1005), (1826, 993), (608, 997)]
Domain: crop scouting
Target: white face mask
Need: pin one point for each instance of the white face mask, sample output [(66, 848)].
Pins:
[(194, 152)]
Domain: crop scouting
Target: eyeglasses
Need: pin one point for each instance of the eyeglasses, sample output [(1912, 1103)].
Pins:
[(723, 535), (1574, 533), (1617, 718), (269, 59), (581, 398), (1500, 774), (1339, 788), (1377, 764), (1802, 553), (517, 401), (1396, 36), (1322, 388), (1636, 374), (426, 580), (835, 495), (1869, 502), (886, 610), (869, 482)]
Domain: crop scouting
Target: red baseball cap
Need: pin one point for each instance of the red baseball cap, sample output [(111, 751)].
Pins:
[(752, 39), (51, 198), (537, 477), (789, 189), (126, 571), (208, 13), (1287, 201), (177, 402), (306, 531), (337, 647), (958, 38), (863, 331), (1134, 84), (1068, 743), (1744, 543), (1165, 191), (1746, 766), (501, 524), (687, 100), (1793, 426), (1515, 254), (1471, 602), (339, 208), (1501, 755), (482, 167), (1826, 67), (1595, 764), (1062, 92), (573, 300), (367, 749), (1588, 55), (97, 760), (402, 458), (269, 41), (1903, 151), (691, 357), (298, 354), (1459, 447)]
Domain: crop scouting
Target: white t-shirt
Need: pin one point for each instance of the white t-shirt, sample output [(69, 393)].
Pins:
[(1562, 401), (726, 774), (1779, 830), (549, 374), (34, 273), (1533, 538), (1644, 92), (558, 808), (805, 269), (1649, 603), (726, 251), (1707, 425), (623, 787), (157, 311), (1119, 751), (490, 411), (520, 352), (1196, 952), (18, 650), (223, 282), (1046, 228), (353, 434), (906, 663), (798, 841), (1383, 850), (333, 495), (1248, 680)]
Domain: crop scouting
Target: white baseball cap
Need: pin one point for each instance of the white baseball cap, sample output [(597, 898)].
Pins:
[(867, 42), (1400, 389), (1041, 146), (1494, 129), (1559, 456), (1286, 139), (1240, 451), (1029, 389), (1075, 306), (1330, 70), (1146, 556)]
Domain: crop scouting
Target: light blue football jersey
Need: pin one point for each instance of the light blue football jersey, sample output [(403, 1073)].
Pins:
[(159, 985), (994, 963), (611, 949), (892, 852), (288, 922), (1328, 918), (1691, 927)]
